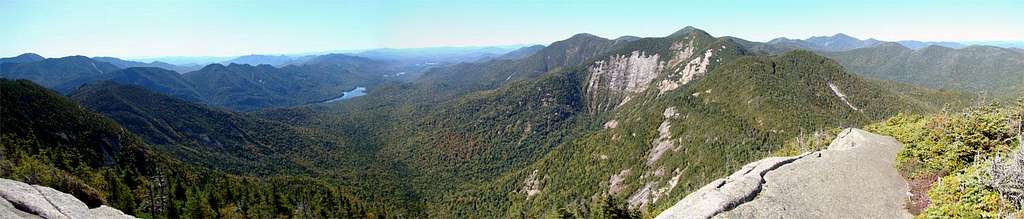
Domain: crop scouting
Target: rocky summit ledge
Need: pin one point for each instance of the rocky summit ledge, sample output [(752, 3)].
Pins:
[(855, 177), (21, 200)]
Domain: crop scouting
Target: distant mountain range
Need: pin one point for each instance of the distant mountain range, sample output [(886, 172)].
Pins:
[(56, 71), (426, 54), (120, 63), (838, 42), (843, 42), (235, 86)]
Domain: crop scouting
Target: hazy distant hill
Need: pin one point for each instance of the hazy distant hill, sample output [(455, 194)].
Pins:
[(842, 42), (55, 71), (120, 63), (913, 44), (521, 52), (247, 87), (235, 86), (437, 54), (27, 57), (837, 42), (275, 60), (154, 79)]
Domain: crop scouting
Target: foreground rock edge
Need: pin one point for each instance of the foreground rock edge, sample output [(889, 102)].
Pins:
[(21, 200)]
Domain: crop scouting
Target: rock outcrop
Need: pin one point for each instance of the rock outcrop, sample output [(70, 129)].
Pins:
[(21, 200), (854, 177)]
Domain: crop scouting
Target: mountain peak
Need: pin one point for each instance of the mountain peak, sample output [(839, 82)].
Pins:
[(580, 36), (892, 45), (627, 38), (213, 67), (843, 35), (30, 56), (686, 31)]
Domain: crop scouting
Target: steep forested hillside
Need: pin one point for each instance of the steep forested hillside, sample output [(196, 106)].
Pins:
[(995, 71), (243, 144), (49, 140)]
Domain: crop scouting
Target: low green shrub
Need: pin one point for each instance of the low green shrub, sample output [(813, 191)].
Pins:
[(963, 149)]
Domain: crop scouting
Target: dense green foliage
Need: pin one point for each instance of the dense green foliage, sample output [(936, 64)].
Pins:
[(49, 140), (959, 147)]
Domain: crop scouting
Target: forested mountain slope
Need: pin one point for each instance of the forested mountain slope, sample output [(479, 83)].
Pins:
[(996, 71), (242, 144), (49, 140)]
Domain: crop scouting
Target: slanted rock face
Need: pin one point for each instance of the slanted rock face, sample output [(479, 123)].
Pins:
[(685, 66), (620, 76), (653, 189), (664, 141), (21, 200), (857, 172)]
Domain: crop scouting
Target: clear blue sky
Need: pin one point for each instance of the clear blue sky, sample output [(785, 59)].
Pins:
[(56, 28)]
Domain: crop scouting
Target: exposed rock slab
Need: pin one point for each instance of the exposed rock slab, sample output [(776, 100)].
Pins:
[(721, 194), (21, 200), (854, 177)]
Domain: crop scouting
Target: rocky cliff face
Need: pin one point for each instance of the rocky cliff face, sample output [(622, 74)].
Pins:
[(21, 200), (617, 79), (620, 76)]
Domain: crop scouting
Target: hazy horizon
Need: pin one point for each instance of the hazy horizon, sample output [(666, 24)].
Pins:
[(234, 28)]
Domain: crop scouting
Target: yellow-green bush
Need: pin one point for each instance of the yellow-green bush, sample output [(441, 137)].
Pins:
[(960, 146), (947, 142), (965, 194)]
